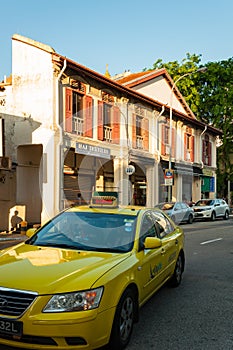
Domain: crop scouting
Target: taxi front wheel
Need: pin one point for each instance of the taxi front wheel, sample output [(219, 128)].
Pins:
[(123, 321)]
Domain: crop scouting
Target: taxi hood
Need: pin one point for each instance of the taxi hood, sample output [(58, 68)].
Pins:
[(48, 270)]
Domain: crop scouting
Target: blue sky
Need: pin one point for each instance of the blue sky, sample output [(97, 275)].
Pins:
[(125, 34)]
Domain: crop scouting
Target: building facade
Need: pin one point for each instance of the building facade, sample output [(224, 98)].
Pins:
[(68, 130)]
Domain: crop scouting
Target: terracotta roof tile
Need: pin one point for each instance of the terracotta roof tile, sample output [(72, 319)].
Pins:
[(137, 78), (130, 77)]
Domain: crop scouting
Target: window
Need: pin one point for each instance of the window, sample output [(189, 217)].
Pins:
[(138, 126), (164, 225), (206, 151), (188, 145), (90, 231), (139, 135), (107, 123), (166, 135), (184, 206), (178, 206), (77, 104), (147, 229), (77, 112), (140, 130), (107, 114), (166, 145)]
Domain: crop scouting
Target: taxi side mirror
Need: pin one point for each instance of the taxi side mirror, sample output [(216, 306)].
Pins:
[(30, 232), (152, 243)]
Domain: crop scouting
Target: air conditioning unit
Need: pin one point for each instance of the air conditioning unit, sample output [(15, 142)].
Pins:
[(5, 163)]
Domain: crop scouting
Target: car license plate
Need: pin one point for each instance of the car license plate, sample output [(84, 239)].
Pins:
[(8, 326)]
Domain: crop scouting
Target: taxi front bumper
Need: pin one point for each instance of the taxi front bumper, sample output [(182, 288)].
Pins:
[(53, 332)]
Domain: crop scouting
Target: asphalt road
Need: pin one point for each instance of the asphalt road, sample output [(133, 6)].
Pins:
[(198, 314)]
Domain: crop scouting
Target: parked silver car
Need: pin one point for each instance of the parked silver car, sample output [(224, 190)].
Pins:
[(178, 211), (210, 209)]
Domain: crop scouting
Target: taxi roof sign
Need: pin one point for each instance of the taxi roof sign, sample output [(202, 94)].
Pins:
[(104, 200)]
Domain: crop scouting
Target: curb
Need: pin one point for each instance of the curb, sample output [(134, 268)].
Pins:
[(12, 238)]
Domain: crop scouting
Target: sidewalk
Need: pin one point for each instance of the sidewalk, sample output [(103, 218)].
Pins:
[(6, 236)]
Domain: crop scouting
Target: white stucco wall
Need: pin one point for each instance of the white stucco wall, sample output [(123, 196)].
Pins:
[(6, 100), (32, 74), (35, 96), (160, 90)]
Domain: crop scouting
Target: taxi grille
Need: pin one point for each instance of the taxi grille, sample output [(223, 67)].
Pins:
[(14, 302)]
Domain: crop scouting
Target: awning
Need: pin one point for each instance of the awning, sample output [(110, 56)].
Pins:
[(197, 171), (183, 169), (137, 157)]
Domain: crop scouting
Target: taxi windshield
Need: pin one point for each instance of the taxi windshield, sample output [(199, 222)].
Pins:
[(88, 231)]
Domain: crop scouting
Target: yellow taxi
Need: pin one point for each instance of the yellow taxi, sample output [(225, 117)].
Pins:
[(78, 281)]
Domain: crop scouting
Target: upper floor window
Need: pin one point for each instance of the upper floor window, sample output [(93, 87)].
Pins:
[(108, 122), (206, 151), (188, 145), (168, 146), (139, 132), (140, 129), (78, 113)]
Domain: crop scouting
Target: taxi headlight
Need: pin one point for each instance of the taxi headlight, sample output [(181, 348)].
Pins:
[(77, 301)]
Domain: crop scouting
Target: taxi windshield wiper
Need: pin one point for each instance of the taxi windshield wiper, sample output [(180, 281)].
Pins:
[(110, 250), (57, 245)]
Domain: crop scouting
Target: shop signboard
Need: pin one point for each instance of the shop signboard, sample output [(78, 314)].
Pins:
[(90, 150)]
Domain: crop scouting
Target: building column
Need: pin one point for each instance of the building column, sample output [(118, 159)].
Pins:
[(179, 187), (121, 181), (152, 180)]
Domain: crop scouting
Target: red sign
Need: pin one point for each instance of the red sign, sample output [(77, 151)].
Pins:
[(168, 174)]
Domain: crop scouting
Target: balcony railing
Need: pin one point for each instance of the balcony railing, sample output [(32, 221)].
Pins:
[(78, 125), (188, 156), (167, 149), (139, 142), (107, 133)]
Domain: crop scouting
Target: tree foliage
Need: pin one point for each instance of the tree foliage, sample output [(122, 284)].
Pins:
[(210, 97)]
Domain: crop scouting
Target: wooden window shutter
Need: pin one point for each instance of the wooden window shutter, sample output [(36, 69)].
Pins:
[(185, 146), (209, 153), (163, 148), (193, 149), (100, 121), (116, 125), (203, 151), (145, 133), (88, 121), (134, 136), (68, 110), (173, 150)]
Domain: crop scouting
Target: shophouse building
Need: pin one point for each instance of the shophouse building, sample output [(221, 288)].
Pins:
[(68, 130)]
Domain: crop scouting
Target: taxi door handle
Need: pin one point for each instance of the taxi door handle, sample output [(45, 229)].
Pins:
[(163, 251), (176, 242)]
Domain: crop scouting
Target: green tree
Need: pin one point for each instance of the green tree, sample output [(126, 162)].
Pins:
[(216, 108)]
